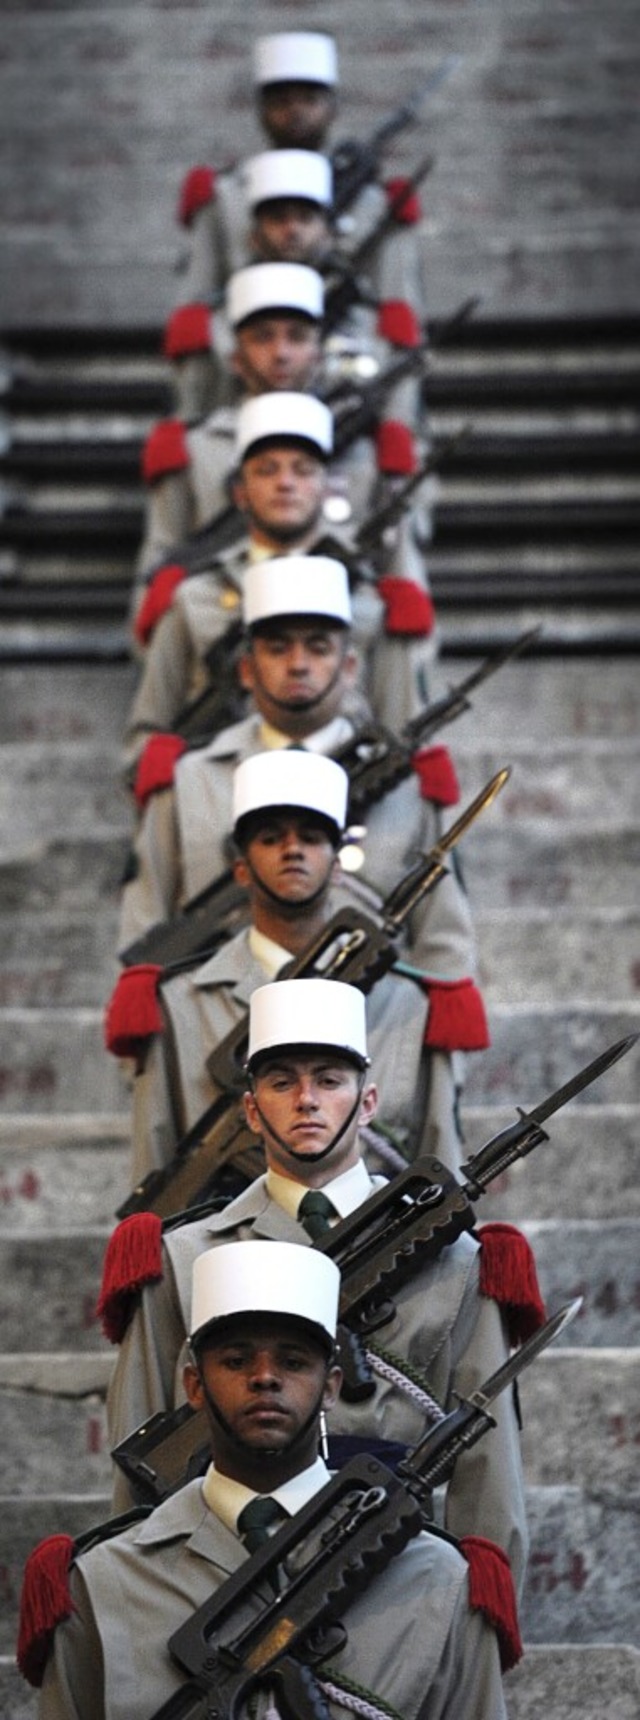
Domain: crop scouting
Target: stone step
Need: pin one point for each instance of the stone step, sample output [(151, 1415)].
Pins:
[(526, 957), (51, 1282), (541, 700), (66, 874), (557, 784), (572, 628), (534, 1051), (57, 1057), (581, 1421), (68, 788), (588, 1167), (48, 959), (62, 1172), (582, 1582), (569, 869), (69, 702), (565, 1682)]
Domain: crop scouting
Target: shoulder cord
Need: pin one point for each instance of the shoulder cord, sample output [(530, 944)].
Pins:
[(400, 1373), (357, 1700)]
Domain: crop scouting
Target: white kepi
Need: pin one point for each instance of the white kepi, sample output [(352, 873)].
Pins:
[(283, 416), (310, 1012), (288, 778), (274, 286), (275, 173), (296, 585), (265, 1278), (295, 56)]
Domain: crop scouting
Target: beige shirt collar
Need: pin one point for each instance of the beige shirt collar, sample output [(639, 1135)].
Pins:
[(227, 1498)]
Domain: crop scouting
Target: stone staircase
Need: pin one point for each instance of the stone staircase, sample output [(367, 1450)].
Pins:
[(551, 872)]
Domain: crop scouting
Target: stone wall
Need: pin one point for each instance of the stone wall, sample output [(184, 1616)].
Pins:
[(532, 204)]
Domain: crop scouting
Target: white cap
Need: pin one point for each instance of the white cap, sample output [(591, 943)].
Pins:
[(274, 286), (290, 778), (288, 173), (295, 56), (284, 415), (296, 585), (284, 1278), (322, 1012)]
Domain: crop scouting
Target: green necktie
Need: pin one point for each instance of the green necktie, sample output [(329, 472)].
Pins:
[(315, 1212), (257, 1518)]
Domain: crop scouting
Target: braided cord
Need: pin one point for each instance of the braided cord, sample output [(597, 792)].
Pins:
[(400, 1373), (358, 1700)]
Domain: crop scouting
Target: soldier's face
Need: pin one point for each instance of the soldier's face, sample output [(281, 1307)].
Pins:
[(264, 1385), (288, 857), (297, 115), (282, 490), (277, 351), (299, 674), (291, 230), (308, 1110)]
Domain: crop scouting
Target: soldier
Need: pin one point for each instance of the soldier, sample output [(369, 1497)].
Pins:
[(300, 667), (309, 1094), (283, 449), (289, 816), (262, 1365)]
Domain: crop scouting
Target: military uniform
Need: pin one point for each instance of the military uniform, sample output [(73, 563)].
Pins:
[(411, 1638), (199, 1007), (443, 1326)]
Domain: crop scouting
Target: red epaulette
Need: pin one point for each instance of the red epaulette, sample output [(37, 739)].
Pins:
[(457, 1020), (157, 599), (133, 1259), (156, 765), (45, 1599), (408, 609), (395, 448), (491, 1592), (133, 1016), (508, 1275), (165, 450), (436, 773), (198, 188), (398, 323), (408, 209), (188, 330)]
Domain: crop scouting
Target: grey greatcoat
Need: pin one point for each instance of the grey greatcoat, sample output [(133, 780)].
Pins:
[(412, 1640), (441, 1326), (173, 1086)]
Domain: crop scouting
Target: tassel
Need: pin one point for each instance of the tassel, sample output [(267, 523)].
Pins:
[(491, 1591), (408, 609), (133, 1014), (156, 765), (198, 188), (157, 600), (165, 450), (408, 209), (436, 773), (133, 1258), (395, 449), (398, 323), (509, 1276), (44, 1602), (456, 1019), (189, 329)]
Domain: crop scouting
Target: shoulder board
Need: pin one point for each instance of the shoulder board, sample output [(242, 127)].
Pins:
[(436, 773), (156, 765), (409, 209), (188, 330), (395, 448), (45, 1599), (165, 450), (158, 599), (508, 1275), (408, 608), (492, 1592), (198, 188), (457, 1019), (398, 323)]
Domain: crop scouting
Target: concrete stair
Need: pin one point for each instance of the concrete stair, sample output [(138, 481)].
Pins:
[(551, 872)]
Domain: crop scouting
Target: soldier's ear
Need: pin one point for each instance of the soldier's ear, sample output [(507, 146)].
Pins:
[(245, 672), (192, 1382), (241, 872)]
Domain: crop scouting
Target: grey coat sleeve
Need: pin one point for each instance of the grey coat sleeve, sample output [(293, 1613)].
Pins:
[(469, 1681), (73, 1687)]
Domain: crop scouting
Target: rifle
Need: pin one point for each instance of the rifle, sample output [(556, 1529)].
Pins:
[(356, 163), (324, 1557), (348, 286), (221, 1133), (375, 761), (361, 406), (380, 1246)]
